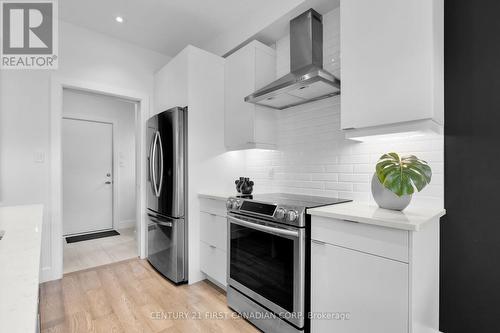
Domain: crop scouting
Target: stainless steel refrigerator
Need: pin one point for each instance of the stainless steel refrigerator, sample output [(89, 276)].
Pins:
[(167, 193)]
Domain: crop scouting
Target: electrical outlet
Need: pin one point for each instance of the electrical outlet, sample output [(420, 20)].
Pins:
[(271, 173), (39, 157)]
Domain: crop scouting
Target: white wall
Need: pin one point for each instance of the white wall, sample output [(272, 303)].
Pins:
[(231, 38), (24, 112), (24, 131), (89, 56), (82, 105), (313, 156)]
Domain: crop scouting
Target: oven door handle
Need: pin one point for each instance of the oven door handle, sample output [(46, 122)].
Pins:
[(264, 228)]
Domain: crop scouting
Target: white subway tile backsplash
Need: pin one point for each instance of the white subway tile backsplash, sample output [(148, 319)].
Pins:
[(312, 168), (438, 167), (354, 159), (340, 168), (358, 196), (364, 168), (359, 178), (339, 186), (325, 176), (362, 187), (313, 156)]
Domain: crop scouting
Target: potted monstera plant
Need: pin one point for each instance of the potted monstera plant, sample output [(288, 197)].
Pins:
[(396, 178)]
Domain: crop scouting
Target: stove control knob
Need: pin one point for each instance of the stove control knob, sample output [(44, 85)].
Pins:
[(229, 203), (280, 213), (236, 204), (292, 215)]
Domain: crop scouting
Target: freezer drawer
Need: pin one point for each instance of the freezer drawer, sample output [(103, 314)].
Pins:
[(166, 246)]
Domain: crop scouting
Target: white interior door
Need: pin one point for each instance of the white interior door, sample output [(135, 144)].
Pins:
[(87, 148)]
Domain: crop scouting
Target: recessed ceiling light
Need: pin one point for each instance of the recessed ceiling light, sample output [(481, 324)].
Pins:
[(119, 19)]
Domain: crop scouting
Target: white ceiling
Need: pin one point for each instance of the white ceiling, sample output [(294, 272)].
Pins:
[(166, 26)]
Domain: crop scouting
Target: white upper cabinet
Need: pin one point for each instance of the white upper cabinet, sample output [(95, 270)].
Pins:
[(248, 125), (171, 83), (392, 63)]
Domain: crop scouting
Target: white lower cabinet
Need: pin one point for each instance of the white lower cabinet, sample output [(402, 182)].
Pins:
[(359, 292), (213, 262), (370, 278), (213, 240), (213, 230)]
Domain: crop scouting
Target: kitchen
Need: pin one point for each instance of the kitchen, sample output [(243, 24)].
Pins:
[(216, 103)]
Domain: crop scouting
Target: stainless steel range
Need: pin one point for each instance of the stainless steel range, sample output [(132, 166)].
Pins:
[(269, 259)]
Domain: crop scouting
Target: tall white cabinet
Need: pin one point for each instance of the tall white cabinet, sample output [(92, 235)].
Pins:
[(248, 125), (392, 64), (195, 78)]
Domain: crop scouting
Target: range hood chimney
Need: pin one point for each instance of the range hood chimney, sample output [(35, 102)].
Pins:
[(307, 80)]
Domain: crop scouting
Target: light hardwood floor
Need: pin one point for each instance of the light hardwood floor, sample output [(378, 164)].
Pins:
[(101, 251), (130, 296)]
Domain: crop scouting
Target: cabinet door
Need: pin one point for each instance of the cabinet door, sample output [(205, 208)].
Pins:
[(213, 206), (248, 125), (392, 55), (239, 83), (171, 84), (360, 292), (213, 262), (213, 230)]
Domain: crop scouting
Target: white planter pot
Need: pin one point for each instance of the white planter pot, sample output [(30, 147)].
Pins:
[(386, 198)]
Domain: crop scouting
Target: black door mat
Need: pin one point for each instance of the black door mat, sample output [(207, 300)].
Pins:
[(95, 235)]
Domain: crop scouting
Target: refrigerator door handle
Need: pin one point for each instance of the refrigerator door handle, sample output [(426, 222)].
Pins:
[(155, 186), (161, 165), (150, 159), (167, 222)]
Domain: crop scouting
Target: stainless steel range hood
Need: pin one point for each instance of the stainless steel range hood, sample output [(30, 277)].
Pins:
[(307, 80)]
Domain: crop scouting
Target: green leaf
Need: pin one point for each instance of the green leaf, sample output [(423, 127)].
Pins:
[(402, 175)]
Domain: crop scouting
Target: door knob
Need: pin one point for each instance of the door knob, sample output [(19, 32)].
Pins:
[(107, 182)]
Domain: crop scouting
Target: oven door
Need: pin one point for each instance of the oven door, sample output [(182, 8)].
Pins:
[(266, 262)]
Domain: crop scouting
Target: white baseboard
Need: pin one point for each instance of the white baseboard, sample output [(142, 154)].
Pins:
[(223, 287), (125, 224), (46, 274)]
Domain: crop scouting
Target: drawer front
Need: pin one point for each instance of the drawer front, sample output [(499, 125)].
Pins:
[(213, 262), (213, 206), (381, 241), (213, 230)]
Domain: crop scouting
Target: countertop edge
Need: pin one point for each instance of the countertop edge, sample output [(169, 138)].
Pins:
[(374, 221), (214, 196), (27, 303)]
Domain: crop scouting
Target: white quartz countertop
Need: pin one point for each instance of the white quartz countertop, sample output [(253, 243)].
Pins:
[(216, 196), (413, 218), (20, 267), (221, 195)]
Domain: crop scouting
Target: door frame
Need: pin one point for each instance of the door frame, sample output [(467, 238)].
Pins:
[(114, 166), (55, 228)]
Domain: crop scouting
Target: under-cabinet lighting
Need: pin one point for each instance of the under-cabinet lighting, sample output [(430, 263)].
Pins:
[(390, 137), (398, 131)]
